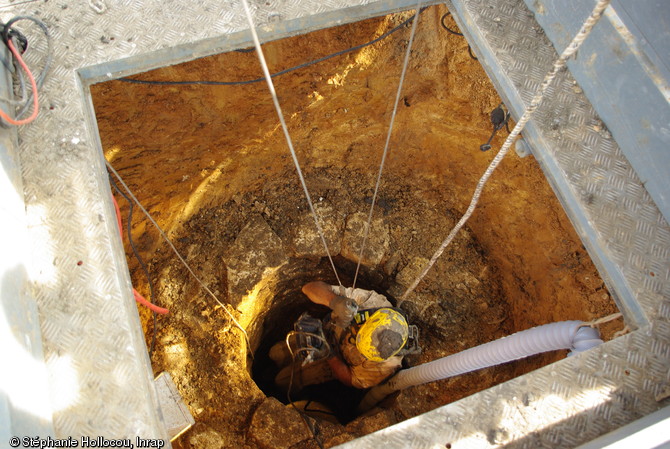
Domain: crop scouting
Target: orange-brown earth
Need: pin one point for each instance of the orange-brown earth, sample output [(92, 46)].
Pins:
[(206, 160)]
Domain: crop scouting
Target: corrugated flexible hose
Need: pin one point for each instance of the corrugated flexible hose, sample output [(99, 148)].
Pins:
[(573, 335)]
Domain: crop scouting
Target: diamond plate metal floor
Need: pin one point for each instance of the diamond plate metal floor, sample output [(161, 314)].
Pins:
[(89, 322)]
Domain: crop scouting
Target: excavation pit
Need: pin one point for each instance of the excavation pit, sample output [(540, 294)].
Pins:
[(332, 400), (211, 165)]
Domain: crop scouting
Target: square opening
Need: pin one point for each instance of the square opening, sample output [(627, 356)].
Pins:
[(211, 164)]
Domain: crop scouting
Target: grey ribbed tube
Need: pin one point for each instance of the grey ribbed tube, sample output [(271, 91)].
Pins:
[(549, 337)]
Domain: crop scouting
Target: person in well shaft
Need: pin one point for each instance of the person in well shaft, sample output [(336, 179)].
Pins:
[(361, 342)]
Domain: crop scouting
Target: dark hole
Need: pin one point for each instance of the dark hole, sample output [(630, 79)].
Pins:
[(289, 303)]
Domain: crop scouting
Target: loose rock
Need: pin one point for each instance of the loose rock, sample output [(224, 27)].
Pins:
[(376, 246), (277, 426)]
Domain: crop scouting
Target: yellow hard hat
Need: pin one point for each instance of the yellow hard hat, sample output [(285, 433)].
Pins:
[(382, 335)]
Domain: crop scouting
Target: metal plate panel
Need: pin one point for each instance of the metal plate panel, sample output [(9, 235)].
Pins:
[(89, 321), (624, 69), (24, 410)]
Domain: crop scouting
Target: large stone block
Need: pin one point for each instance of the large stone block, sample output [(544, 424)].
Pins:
[(304, 238), (256, 249), (376, 246)]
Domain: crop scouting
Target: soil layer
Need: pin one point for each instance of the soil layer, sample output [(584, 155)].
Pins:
[(208, 160)]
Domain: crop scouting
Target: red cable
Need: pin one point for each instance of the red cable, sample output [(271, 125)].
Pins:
[(118, 216), (139, 298), (32, 117)]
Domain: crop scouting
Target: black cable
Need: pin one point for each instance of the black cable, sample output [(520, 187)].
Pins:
[(11, 64), (9, 33), (139, 259), (15, 36), (456, 33), (446, 27), (283, 72), (314, 430), (472, 54)]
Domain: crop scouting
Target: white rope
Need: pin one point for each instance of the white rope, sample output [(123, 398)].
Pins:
[(271, 86), (174, 249), (388, 138), (622, 332), (597, 322), (558, 65)]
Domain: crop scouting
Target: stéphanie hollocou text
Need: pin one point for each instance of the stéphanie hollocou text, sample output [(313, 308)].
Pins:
[(84, 442)]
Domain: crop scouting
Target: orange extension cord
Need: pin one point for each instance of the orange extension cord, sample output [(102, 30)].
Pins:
[(139, 298)]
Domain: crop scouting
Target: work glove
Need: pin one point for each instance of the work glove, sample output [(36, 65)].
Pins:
[(343, 309)]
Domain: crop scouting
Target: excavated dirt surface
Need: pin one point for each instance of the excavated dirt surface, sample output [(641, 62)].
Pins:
[(208, 160)]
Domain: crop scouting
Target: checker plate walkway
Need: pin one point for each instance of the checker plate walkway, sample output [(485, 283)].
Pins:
[(86, 311)]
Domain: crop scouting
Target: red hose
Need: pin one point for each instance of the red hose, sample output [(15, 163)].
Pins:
[(33, 85), (139, 298)]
